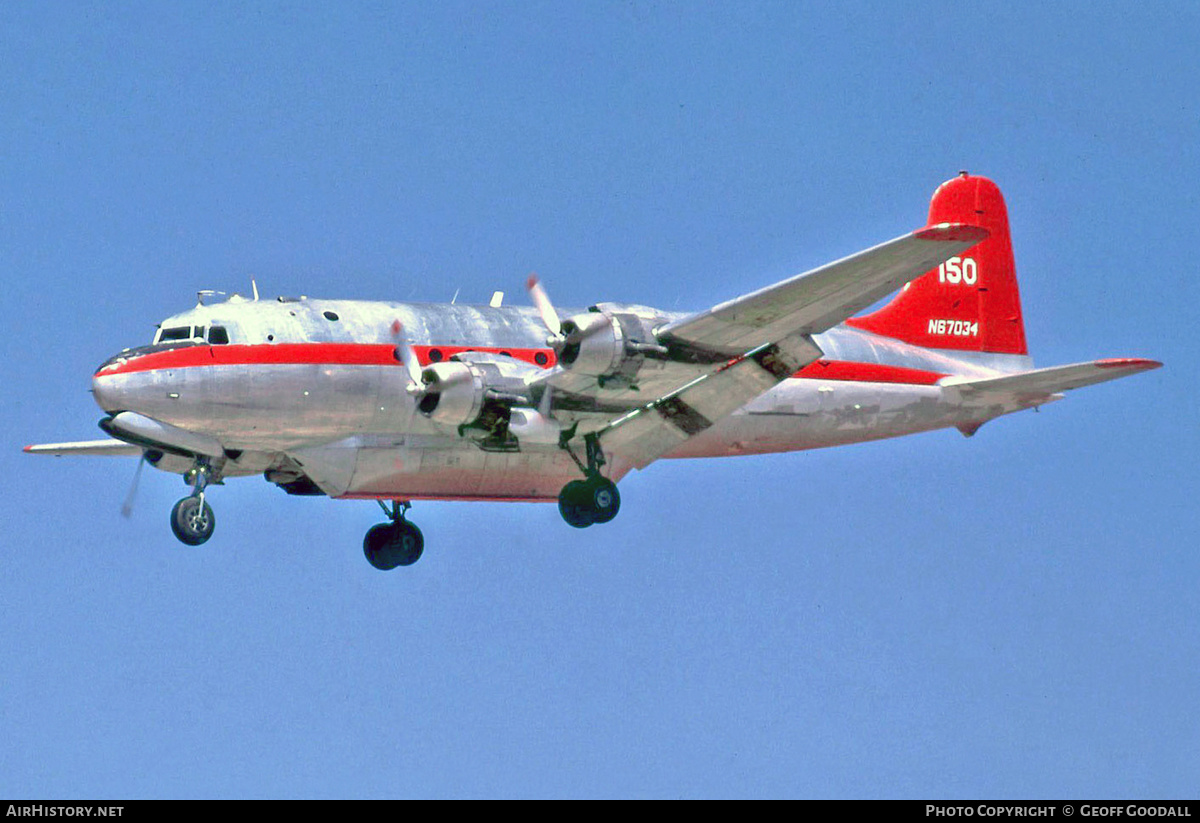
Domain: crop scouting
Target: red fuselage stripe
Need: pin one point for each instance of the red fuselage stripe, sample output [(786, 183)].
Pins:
[(867, 373), (308, 354), (382, 354)]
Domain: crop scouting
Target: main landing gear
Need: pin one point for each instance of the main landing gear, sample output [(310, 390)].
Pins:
[(192, 519), (594, 499), (584, 502), (398, 543)]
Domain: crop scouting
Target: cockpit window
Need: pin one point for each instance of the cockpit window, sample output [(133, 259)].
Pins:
[(176, 333), (217, 335)]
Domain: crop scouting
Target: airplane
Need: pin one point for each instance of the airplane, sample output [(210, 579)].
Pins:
[(398, 402)]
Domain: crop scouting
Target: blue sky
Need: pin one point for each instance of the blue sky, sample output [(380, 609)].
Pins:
[(1009, 616)]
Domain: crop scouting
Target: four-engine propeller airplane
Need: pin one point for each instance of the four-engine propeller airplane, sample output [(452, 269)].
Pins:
[(400, 401)]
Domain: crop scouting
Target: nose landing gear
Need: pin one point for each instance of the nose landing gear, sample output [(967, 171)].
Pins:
[(398, 543), (192, 519)]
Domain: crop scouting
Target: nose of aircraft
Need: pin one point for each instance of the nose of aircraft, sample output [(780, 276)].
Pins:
[(144, 380), (112, 385), (102, 392), (106, 392)]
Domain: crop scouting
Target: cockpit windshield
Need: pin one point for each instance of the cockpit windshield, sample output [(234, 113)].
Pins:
[(175, 333), (216, 335)]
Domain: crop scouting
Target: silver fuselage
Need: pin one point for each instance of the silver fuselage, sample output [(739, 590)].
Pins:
[(312, 387)]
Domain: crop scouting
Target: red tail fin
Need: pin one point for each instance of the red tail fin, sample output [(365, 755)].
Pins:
[(969, 303)]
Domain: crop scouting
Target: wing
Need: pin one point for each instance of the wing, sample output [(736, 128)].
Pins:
[(712, 363), (822, 298), (86, 448), (1040, 385), (643, 435)]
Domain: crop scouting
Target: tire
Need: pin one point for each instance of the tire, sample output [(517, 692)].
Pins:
[(408, 544), (574, 504), (192, 521), (375, 547), (604, 499), (389, 545)]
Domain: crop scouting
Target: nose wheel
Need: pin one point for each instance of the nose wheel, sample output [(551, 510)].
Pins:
[(398, 543), (192, 519)]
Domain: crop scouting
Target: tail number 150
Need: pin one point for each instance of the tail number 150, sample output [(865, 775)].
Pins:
[(959, 270)]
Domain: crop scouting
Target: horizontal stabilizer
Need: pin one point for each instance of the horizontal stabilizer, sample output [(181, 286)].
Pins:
[(86, 448), (1040, 384)]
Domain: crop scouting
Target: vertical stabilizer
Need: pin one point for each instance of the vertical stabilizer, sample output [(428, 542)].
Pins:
[(970, 302)]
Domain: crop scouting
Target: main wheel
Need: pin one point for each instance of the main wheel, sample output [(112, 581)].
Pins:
[(389, 545), (193, 521), (574, 504), (408, 544), (604, 499)]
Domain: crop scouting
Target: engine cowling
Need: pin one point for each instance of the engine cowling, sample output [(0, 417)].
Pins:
[(476, 390), (594, 344), (607, 344), (453, 393)]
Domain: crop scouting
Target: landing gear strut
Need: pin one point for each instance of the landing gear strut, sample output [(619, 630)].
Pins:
[(594, 499), (398, 543), (192, 519)]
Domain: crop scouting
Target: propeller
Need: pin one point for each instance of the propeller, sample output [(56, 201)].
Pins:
[(415, 388), (408, 358), (127, 506), (544, 306), (556, 340)]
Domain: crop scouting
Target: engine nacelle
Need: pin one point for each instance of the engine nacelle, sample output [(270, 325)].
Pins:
[(595, 344), (453, 393), (609, 345), (532, 428), (475, 390), (172, 463)]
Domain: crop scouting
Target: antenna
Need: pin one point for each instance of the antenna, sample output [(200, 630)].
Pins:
[(455, 297), (254, 288)]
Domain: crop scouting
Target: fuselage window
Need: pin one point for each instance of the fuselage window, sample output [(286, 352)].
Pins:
[(329, 315), (217, 335)]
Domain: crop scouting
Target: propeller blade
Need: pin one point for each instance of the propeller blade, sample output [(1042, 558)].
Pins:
[(544, 306), (127, 506), (406, 355)]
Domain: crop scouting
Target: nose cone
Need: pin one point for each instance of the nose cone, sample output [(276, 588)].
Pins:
[(112, 384), (107, 392)]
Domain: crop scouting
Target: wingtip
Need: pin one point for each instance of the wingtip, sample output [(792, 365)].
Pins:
[(943, 232), (1133, 363)]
